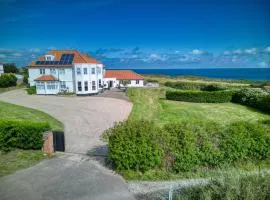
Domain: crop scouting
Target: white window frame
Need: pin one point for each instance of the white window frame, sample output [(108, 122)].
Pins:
[(94, 85), (93, 70), (79, 71), (86, 86), (98, 70), (63, 85), (42, 71), (85, 71), (137, 82), (79, 87)]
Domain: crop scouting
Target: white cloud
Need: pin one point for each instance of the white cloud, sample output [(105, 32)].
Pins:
[(226, 52), (35, 50), (3, 56), (238, 51), (17, 54), (250, 51), (267, 49), (197, 52), (262, 64)]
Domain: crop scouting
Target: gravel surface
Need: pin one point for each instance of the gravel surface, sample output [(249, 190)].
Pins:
[(85, 118)]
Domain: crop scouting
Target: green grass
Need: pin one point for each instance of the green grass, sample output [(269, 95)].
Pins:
[(14, 112), (19, 159), (149, 104), (223, 113)]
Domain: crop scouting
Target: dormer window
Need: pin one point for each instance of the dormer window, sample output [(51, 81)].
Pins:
[(49, 57)]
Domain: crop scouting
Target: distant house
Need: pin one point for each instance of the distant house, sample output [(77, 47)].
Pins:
[(116, 78), (1, 69), (66, 71)]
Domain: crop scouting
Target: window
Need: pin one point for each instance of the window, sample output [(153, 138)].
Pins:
[(48, 58), (78, 71), (79, 86), (84, 70), (137, 82), (93, 85), (52, 71), (63, 84), (42, 71), (51, 85), (129, 82), (62, 71), (40, 86), (99, 83), (93, 70), (85, 85), (98, 70)]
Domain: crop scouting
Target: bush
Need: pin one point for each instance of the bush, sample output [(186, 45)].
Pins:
[(31, 90), (212, 87), (243, 140), (10, 68), (200, 96), (231, 186), (139, 145), (185, 85), (253, 97), (21, 134), (8, 80), (135, 145)]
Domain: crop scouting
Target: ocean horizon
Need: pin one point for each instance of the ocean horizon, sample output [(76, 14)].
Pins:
[(256, 74)]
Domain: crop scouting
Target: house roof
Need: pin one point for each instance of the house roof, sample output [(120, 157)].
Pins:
[(46, 78), (123, 75), (78, 58)]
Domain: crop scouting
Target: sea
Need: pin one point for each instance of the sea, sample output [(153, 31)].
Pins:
[(255, 74)]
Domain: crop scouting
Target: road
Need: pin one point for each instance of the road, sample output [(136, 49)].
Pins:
[(71, 176)]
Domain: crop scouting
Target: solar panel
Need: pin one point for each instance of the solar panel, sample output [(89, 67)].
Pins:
[(38, 63), (66, 59), (42, 62)]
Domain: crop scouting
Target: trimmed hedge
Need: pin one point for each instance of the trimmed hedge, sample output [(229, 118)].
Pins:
[(185, 85), (21, 134), (200, 96), (140, 145), (8, 80), (253, 97)]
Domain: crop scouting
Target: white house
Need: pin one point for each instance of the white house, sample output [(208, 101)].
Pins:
[(116, 78), (1, 69), (66, 71)]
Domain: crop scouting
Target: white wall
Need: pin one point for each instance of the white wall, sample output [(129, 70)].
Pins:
[(1, 69), (61, 74), (116, 83)]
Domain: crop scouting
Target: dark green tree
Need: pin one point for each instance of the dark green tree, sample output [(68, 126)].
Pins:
[(10, 68)]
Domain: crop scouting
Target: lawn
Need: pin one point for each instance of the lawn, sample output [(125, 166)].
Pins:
[(19, 159), (14, 112), (149, 104)]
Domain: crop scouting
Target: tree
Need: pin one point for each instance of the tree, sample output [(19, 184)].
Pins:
[(10, 68), (25, 75)]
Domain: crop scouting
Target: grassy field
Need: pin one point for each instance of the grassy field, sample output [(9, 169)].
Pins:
[(14, 112), (149, 104), (19, 159)]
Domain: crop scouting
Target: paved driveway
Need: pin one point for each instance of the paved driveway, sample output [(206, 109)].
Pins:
[(71, 176), (85, 118)]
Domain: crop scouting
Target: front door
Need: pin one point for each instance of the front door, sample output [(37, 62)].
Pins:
[(111, 84)]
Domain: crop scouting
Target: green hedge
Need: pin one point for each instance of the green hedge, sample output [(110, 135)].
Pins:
[(253, 97), (31, 90), (8, 80), (135, 145), (200, 96), (21, 134), (185, 85), (140, 145)]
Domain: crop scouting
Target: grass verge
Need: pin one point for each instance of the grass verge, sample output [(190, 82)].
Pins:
[(19, 159), (13, 112)]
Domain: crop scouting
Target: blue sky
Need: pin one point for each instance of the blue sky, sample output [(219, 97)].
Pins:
[(140, 34)]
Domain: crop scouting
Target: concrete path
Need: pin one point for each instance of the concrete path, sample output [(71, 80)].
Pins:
[(69, 177), (85, 118), (72, 176)]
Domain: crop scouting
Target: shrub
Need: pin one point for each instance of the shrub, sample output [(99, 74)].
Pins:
[(135, 145), (243, 140), (31, 90), (21, 134), (185, 85), (200, 96), (8, 80), (231, 186), (212, 87), (253, 97)]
